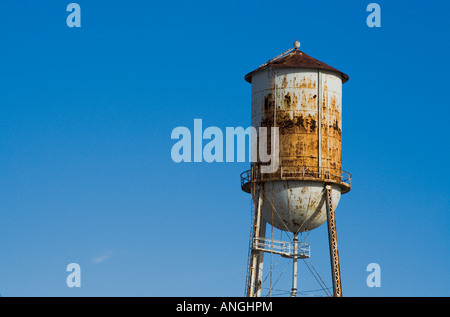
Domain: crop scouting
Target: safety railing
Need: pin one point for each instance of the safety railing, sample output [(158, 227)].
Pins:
[(298, 173), (283, 248)]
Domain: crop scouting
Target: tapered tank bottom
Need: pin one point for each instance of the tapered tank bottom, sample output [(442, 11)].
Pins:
[(295, 206)]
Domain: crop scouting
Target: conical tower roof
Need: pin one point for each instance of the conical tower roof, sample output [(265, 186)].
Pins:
[(295, 59)]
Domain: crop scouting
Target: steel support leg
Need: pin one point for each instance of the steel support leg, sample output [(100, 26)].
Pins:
[(332, 238), (294, 267), (259, 268), (255, 272)]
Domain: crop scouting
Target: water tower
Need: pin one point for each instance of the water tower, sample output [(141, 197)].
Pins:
[(302, 97)]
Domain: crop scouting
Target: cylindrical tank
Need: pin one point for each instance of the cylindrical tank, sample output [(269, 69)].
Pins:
[(303, 98)]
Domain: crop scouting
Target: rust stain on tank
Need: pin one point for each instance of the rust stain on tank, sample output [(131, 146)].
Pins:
[(284, 83), (268, 102), (287, 101), (305, 82), (335, 127), (312, 127)]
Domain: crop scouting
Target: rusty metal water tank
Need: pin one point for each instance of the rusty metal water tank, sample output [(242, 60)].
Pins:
[(302, 96)]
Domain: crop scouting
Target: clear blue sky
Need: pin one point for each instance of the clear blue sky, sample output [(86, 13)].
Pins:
[(86, 116)]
